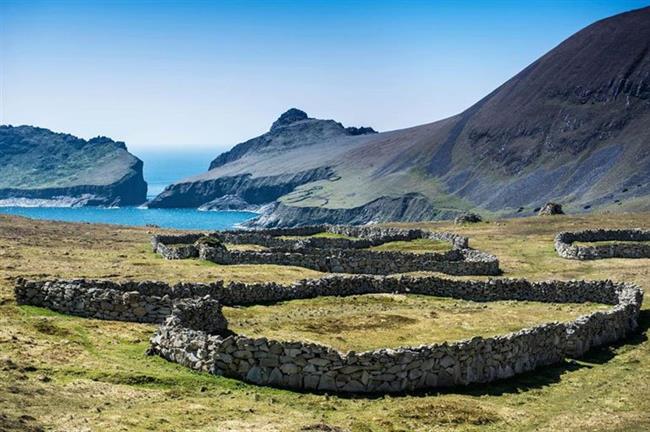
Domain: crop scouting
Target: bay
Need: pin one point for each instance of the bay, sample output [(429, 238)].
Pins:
[(136, 216)]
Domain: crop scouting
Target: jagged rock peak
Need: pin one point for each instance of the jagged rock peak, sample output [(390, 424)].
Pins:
[(291, 116), (363, 130)]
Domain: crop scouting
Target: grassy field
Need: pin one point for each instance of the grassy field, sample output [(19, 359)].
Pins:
[(369, 322), (73, 374), (324, 234), (245, 247), (415, 246)]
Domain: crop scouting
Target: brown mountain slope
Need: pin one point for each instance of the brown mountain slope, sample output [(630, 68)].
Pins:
[(574, 126)]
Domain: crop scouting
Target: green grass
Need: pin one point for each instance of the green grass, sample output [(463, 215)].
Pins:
[(367, 322), (324, 234), (68, 373), (245, 247), (415, 246)]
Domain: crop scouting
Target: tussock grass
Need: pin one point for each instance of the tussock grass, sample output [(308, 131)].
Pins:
[(67, 373)]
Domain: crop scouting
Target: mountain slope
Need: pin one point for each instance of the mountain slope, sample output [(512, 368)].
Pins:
[(573, 127), (38, 164)]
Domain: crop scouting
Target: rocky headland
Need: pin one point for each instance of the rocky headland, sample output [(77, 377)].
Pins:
[(39, 167)]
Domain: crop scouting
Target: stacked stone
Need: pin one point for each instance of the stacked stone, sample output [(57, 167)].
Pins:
[(306, 366), (195, 333), (237, 293), (203, 314), (99, 300), (176, 246), (334, 255), (566, 249), (454, 262)]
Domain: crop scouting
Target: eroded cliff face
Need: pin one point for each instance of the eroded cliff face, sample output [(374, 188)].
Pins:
[(38, 164), (407, 208), (573, 127), (245, 187), (249, 191)]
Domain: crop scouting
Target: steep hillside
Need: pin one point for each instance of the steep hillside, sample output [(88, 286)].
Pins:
[(572, 127), (37, 164)]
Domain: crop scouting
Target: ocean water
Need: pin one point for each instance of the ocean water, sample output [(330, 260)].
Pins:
[(166, 218), (160, 169), (164, 168)]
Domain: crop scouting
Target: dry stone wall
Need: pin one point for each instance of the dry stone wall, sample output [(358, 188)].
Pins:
[(335, 255), (95, 299), (195, 333), (625, 249)]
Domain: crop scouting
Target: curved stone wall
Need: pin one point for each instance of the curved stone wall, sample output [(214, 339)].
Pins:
[(335, 255), (566, 249), (205, 344)]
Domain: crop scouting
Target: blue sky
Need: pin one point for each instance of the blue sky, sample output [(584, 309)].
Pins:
[(203, 76)]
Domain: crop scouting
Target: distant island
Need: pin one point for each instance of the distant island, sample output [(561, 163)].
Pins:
[(570, 128), (41, 167)]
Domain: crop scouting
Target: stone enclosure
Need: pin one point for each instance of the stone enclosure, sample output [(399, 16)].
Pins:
[(332, 255), (625, 246), (195, 333)]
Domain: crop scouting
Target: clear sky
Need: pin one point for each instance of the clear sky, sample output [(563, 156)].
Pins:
[(203, 76)]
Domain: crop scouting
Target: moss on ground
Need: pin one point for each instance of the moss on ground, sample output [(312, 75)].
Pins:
[(67, 373)]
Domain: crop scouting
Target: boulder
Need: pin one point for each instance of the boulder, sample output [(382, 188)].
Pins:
[(467, 218), (550, 209)]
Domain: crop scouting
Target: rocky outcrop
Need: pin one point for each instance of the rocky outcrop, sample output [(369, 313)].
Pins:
[(228, 202), (407, 208), (292, 128), (551, 209), (38, 164), (467, 218), (289, 117), (247, 190)]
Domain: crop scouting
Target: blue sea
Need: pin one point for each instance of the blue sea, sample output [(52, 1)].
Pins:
[(159, 171), (166, 218)]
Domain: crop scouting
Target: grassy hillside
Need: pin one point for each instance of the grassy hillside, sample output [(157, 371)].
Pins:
[(65, 373), (37, 158)]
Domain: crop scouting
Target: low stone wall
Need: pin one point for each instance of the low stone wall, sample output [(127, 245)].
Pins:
[(205, 343), (455, 262), (566, 249), (335, 255), (176, 246), (95, 299), (307, 366)]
